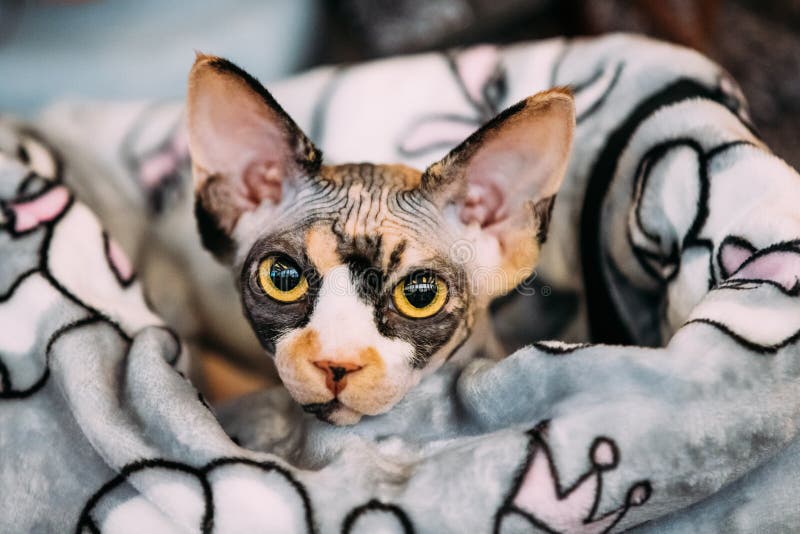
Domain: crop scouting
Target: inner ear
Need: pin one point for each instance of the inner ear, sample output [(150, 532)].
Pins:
[(232, 130), (502, 181), (513, 163), (245, 149)]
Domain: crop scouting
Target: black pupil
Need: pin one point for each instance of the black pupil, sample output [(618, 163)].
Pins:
[(284, 274), (420, 289)]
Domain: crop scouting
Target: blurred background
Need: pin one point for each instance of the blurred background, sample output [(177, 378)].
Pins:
[(143, 48)]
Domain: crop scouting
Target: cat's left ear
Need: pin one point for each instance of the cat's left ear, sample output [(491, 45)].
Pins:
[(501, 183), (246, 151)]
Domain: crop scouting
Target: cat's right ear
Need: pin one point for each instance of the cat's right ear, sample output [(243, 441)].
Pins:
[(246, 151)]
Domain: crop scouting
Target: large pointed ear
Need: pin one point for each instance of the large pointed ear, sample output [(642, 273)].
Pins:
[(502, 182), (246, 151)]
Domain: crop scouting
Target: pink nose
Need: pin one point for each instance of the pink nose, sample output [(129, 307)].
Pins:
[(336, 373)]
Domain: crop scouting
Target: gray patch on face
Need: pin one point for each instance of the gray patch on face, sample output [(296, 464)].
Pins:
[(269, 318), (429, 334), (396, 257)]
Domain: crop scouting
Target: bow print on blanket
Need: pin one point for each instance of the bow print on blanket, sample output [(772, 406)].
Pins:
[(676, 228)]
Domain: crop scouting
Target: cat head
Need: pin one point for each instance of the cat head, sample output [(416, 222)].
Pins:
[(362, 278)]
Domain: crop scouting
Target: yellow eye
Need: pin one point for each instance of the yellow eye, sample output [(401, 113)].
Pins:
[(420, 295), (282, 279)]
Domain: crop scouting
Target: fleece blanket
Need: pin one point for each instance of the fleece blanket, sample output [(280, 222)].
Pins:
[(676, 241)]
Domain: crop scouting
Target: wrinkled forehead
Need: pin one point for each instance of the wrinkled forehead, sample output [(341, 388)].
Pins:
[(374, 214)]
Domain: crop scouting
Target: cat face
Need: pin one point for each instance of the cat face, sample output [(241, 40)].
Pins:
[(362, 278)]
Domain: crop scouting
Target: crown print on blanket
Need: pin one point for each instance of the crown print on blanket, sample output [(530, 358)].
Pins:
[(538, 498)]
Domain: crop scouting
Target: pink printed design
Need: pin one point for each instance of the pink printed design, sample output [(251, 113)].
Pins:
[(118, 261), (538, 497), (733, 254), (479, 73), (30, 214), (166, 161), (781, 267), (778, 264), (157, 158)]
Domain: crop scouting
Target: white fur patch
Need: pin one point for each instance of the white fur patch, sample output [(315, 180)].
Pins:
[(345, 323)]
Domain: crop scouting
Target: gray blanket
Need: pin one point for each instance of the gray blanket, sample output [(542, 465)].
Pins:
[(677, 229)]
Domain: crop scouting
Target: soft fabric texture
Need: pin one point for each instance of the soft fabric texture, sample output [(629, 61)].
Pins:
[(675, 226)]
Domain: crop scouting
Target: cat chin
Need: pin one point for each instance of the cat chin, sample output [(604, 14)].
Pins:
[(334, 412), (344, 416)]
